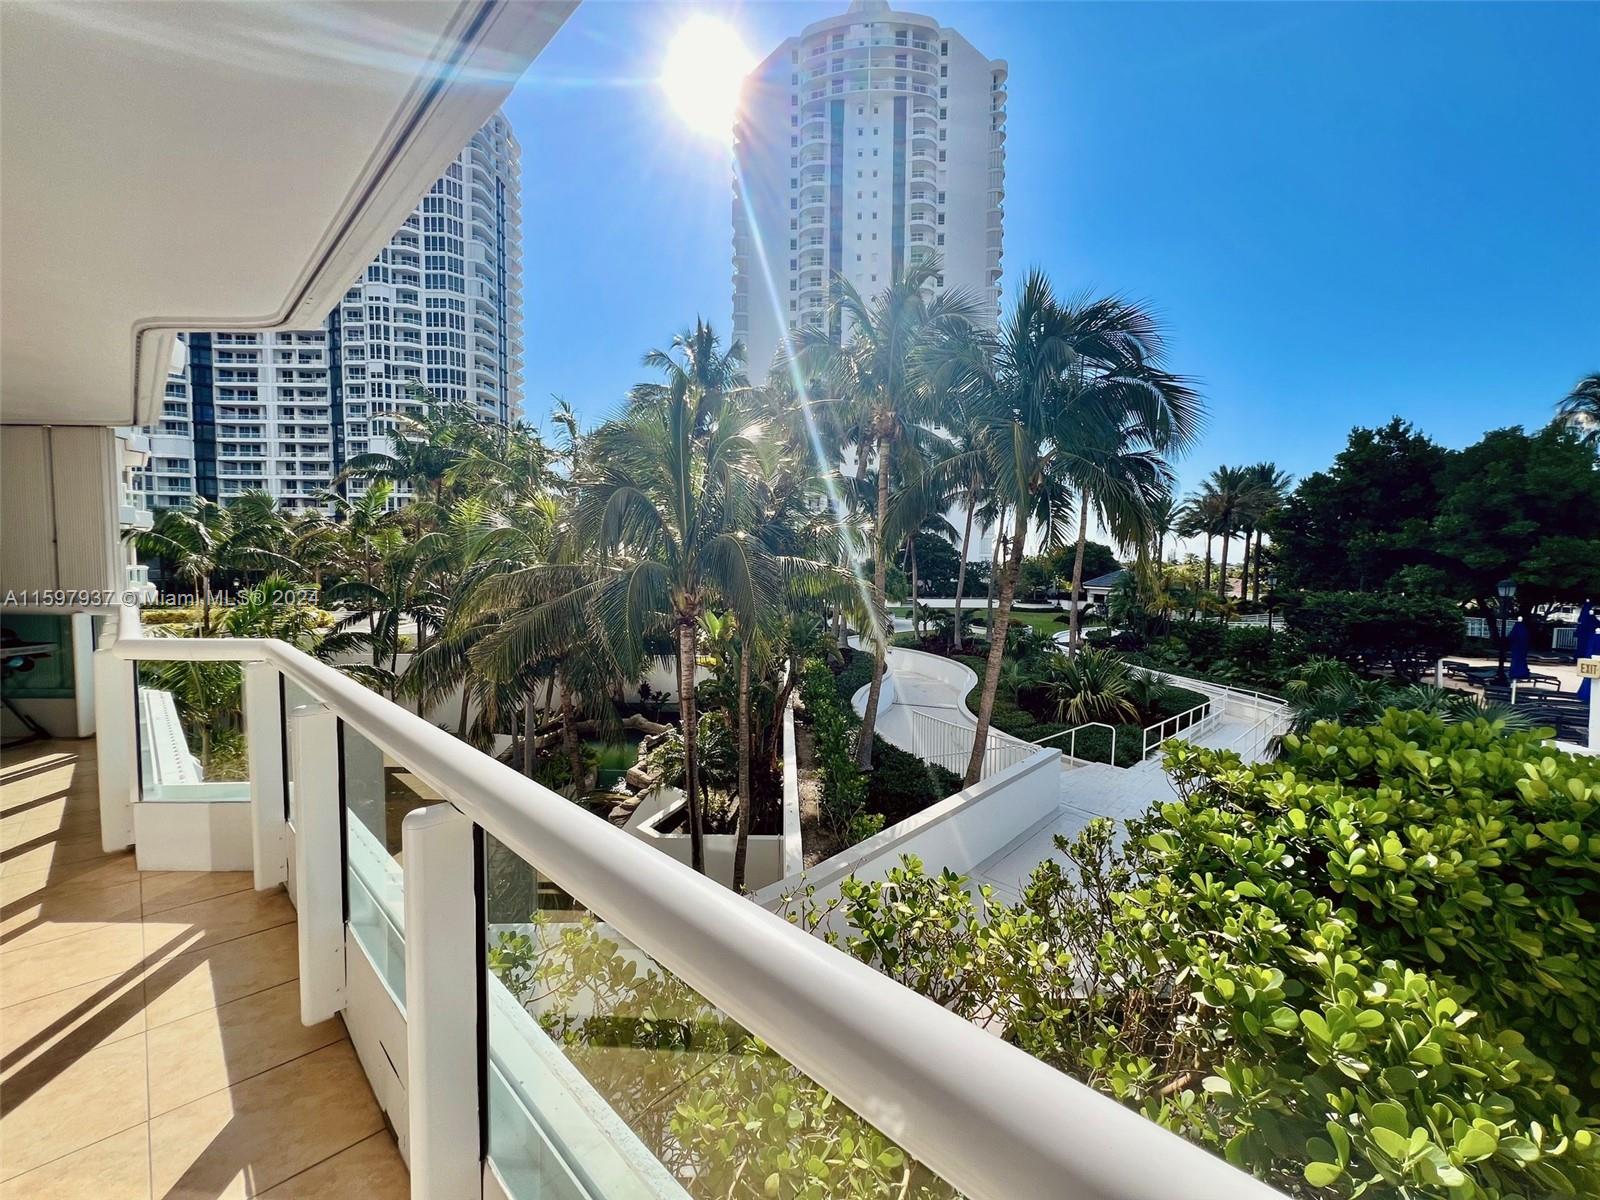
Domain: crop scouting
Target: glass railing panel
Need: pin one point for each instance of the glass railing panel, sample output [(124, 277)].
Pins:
[(378, 792), (610, 1073), (292, 699), (192, 743)]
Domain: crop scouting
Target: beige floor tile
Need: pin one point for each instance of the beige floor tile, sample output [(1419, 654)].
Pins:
[(67, 962), (28, 820), (212, 1050), (372, 1169), (116, 1168), (163, 890), (104, 1011), (50, 851), (94, 872), (62, 912), (220, 919), (196, 982), (70, 1100), (265, 1130)]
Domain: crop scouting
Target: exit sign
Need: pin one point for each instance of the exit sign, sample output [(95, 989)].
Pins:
[(1589, 668)]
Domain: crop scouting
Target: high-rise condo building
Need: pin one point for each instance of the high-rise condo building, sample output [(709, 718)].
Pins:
[(873, 139), (441, 306)]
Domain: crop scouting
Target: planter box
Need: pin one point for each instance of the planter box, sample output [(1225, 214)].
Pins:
[(769, 856)]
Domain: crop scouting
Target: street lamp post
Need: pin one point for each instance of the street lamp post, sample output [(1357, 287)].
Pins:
[(1505, 590)]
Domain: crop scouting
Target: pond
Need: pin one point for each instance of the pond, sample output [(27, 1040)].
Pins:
[(612, 759)]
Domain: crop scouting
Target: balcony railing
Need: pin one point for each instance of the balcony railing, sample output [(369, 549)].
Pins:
[(581, 1099)]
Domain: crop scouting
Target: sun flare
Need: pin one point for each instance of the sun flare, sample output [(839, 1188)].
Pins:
[(705, 65)]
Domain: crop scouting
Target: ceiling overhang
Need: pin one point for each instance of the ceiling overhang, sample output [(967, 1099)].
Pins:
[(205, 165)]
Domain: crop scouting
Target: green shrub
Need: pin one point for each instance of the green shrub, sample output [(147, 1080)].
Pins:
[(1461, 848), (844, 789), (901, 784), (1366, 970), (856, 804), (169, 616), (855, 674)]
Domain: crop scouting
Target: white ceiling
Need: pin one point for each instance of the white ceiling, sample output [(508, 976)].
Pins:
[(199, 164)]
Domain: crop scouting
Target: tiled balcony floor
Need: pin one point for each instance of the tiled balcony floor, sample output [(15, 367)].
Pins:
[(150, 1036)]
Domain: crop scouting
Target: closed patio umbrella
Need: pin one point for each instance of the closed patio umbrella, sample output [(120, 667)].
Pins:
[(1519, 651)]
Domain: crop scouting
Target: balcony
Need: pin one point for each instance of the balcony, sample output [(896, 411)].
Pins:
[(359, 862), (153, 1031)]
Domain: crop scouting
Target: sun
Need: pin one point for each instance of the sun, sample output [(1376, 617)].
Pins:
[(705, 65)]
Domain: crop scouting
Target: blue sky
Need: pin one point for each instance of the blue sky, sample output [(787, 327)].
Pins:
[(1342, 211)]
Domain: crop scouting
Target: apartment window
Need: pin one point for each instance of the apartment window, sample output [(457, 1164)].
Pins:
[(944, 71), (944, 47), (941, 239), (943, 92), (944, 113)]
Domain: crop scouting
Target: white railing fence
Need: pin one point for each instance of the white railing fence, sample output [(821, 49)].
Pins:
[(1193, 721), (992, 1121), (1070, 749), (948, 744), (1252, 743)]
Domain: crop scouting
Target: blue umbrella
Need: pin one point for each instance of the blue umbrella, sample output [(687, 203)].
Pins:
[(1519, 651), (1586, 644)]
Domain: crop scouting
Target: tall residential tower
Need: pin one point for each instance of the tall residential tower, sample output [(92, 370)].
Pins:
[(873, 139), (441, 306)]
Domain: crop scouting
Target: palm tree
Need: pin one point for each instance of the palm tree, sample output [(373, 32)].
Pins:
[(1264, 496), (1117, 473), (425, 449), (882, 375), (1198, 516), (660, 520), (1056, 389), (207, 539), (1581, 408), (1225, 494), (1163, 517), (1092, 685)]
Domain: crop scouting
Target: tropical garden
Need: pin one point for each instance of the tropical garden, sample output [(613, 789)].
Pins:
[(1365, 968)]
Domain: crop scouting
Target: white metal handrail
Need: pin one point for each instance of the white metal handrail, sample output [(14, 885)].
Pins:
[(1255, 738), (1072, 740), (1201, 717), (948, 744), (990, 1119)]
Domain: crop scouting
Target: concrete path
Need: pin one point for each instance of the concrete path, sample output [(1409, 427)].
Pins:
[(918, 684)]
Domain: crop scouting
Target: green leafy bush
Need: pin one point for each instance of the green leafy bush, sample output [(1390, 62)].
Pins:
[(724, 1114), (901, 784), (855, 804), (853, 676), (844, 789), (1369, 969)]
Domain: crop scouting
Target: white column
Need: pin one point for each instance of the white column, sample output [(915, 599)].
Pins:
[(116, 748), (318, 863), (264, 734), (443, 965)]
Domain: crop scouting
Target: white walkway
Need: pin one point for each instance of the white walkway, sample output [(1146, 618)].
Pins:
[(920, 686)]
